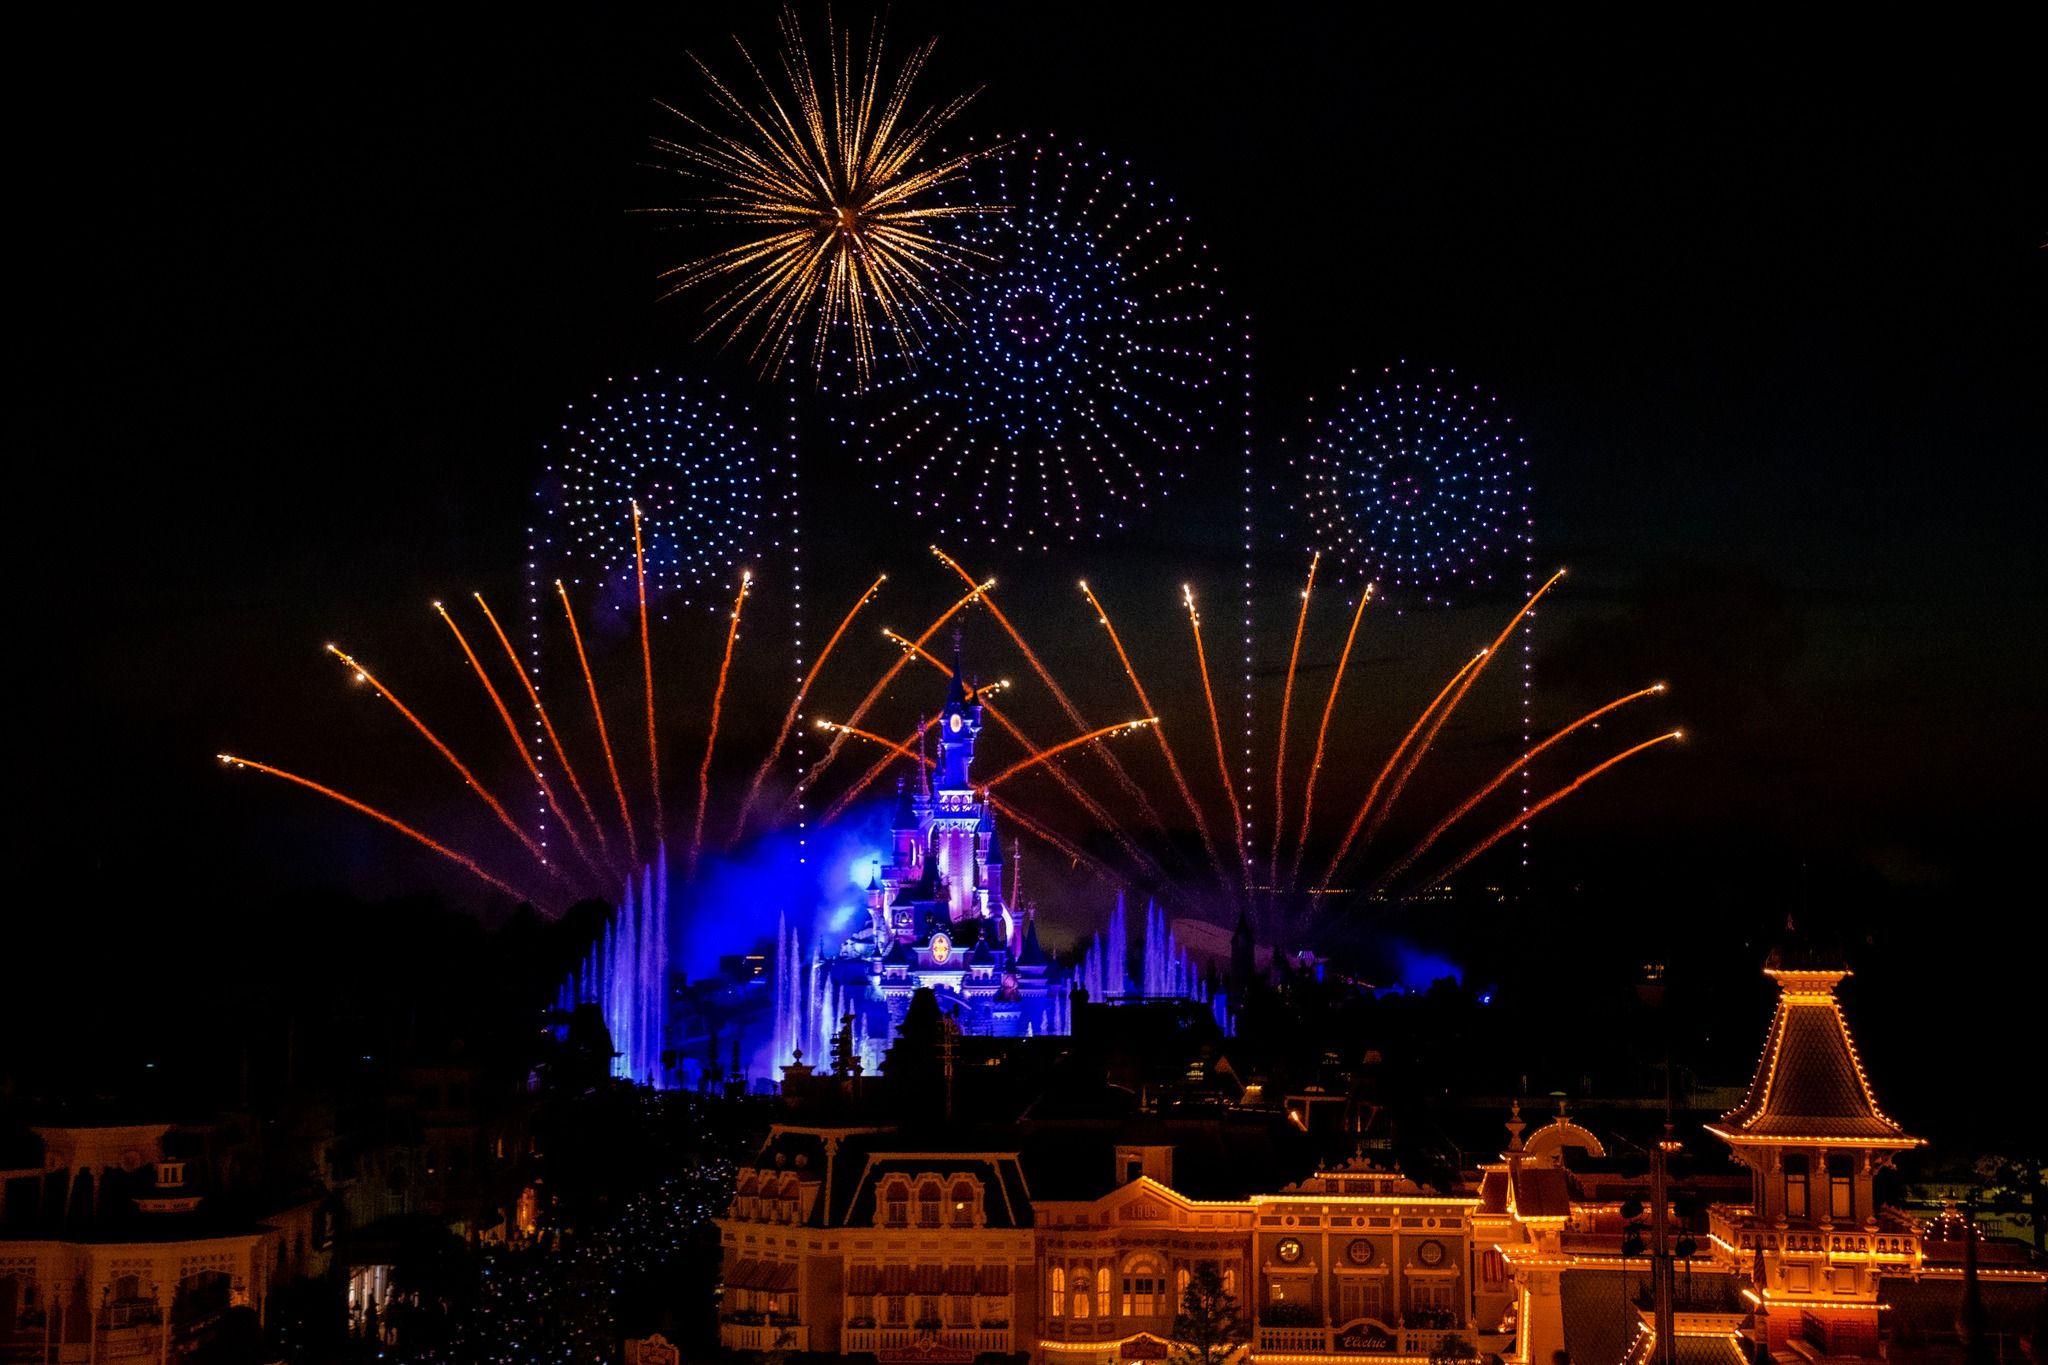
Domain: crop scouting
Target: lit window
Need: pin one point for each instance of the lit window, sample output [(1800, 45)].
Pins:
[(1059, 1292), (1795, 1185), (1841, 1198), (963, 1204), (1080, 1295)]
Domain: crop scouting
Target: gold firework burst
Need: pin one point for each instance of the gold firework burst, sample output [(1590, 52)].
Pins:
[(834, 185)]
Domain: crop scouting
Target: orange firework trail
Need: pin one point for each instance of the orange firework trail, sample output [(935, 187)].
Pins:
[(1546, 803), (875, 692), (1216, 729), (1315, 768), (796, 703), (732, 635), (1286, 703), (1180, 780), (1358, 820), (603, 735), (518, 741), (407, 830), (467, 776), (1058, 693), (1120, 728), (1003, 808), (548, 726), (647, 668), (1655, 689), (847, 797), (1415, 757)]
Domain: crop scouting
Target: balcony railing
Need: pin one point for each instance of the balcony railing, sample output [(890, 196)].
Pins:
[(1894, 1239), (901, 1338), (764, 1336), (1418, 1341)]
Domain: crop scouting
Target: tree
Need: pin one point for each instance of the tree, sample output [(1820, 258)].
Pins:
[(1454, 1350), (2015, 1186), (1208, 1330)]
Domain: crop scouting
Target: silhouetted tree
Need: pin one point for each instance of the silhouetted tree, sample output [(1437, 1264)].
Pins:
[(1208, 1330)]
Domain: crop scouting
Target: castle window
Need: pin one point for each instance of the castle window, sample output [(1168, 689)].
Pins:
[(1795, 1185), (1057, 1285), (1841, 1196), (928, 1199), (963, 1204), (896, 1204)]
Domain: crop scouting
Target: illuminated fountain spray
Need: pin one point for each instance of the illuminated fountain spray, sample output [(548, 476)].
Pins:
[(1166, 970), (625, 974)]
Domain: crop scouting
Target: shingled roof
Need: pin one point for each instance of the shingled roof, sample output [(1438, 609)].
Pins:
[(1810, 1083)]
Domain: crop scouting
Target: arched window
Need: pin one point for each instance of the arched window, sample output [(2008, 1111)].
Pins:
[(1180, 1287), (1057, 1285), (1230, 1280), (963, 1204), (1081, 1293), (1144, 1287), (896, 1204), (928, 1197)]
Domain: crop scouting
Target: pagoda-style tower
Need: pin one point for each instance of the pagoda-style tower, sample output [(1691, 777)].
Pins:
[(1812, 1238)]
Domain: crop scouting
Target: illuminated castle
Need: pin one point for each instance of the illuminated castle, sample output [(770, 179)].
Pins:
[(936, 917)]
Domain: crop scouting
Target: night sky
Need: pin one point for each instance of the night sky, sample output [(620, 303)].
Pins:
[(1767, 304)]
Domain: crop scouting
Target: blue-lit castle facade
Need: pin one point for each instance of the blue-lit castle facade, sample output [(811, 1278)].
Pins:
[(934, 914)]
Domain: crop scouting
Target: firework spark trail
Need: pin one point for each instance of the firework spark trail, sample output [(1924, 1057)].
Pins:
[(1075, 855), (1059, 695), (407, 830), (1315, 767), (1120, 728), (539, 855), (732, 635), (603, 735), (548, 728), (647, 669), (1286, 704), (1358, 820), (1560, 794), (1002, 808), (1387, 878), (796, 703), (1416, 755), (880, 766), (817, 770), (1216, 729), (1180, 780), (518, 740)]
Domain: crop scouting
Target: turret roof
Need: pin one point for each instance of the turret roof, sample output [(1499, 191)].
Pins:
[(1810, 1082)]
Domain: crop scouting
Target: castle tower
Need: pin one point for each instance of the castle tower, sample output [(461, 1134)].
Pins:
[(1809, 1129)]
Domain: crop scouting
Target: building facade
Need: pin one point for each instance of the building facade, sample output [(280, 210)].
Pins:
[(841, 1240)]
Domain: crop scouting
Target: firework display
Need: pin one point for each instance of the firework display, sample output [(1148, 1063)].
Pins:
[(1087, 370), (833, 187), (669, 460), (1418, 484)]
